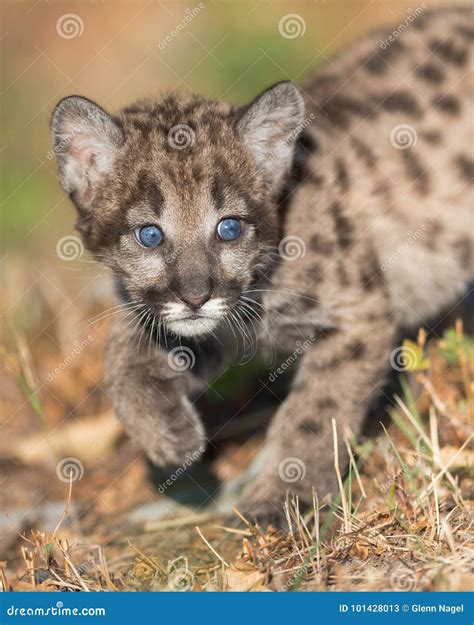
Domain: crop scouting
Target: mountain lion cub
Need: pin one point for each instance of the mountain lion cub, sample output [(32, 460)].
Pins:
[(324, 217)]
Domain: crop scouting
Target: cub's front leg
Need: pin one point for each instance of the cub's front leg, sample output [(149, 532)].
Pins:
[(149, 390), (339, 374)]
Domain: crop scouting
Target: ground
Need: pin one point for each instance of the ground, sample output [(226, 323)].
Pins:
[(83, 510)]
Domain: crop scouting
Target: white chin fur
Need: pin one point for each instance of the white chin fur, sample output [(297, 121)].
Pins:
[(192, 327)]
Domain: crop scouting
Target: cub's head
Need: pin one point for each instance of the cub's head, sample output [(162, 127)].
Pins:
[(179, 196)]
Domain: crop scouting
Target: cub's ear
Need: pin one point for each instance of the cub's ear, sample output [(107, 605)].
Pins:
[(270, 125), (86, 141)]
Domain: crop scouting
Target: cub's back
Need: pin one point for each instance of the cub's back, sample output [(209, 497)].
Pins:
[(394, 115)]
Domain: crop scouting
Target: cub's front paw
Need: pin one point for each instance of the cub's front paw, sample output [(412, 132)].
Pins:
[(265, 513), (166, 449), (158, 420)]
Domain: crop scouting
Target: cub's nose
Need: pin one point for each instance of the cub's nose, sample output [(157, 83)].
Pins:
[(196, 299)]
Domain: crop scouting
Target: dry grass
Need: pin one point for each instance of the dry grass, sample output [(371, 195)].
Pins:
[(402, 519)]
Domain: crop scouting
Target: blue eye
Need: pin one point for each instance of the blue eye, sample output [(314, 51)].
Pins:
[(229, 229), (149, 236)]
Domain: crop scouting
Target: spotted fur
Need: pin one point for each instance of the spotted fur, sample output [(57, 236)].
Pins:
[(383, 233)]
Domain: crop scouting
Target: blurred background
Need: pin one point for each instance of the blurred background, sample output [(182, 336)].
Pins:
[(53, 404)]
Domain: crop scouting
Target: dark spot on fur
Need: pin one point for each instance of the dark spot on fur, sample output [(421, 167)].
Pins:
[(383, 188), (447, 104), (307, 142), (371, 275), (431, 73), (305, 146), (326, 403), (364, 153), (357, 350), (305, 302), (342, 225), (145, 126), (376, 65), (314, 273), (465, 250), (415, 171), (433, 231), (325, 81), (320, 245), (342, 177), (171, 172), (465, 166), (342, 274), (310, 426), (449, 52), (401, 101), (466, 31), (339, 109), (147, 188), (316, 179), (433, 137), (217, 193)]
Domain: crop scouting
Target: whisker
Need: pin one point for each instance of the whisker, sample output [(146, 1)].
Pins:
[(118, 308)]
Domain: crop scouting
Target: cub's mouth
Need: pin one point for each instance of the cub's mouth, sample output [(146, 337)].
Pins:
[(182, 320), (193, 325)]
